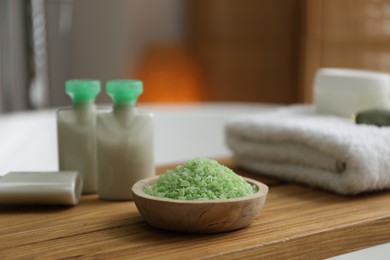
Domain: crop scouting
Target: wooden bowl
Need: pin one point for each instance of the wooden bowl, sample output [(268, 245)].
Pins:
[(198, 216)]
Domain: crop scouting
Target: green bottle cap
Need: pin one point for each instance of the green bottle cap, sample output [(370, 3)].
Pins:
[(81, 91), (124, 91)]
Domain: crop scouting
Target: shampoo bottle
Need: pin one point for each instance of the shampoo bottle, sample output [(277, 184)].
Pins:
[(76, 132), (124, 142)]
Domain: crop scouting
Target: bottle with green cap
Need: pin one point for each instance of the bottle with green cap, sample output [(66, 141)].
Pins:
[(76, 132), (124, 142)]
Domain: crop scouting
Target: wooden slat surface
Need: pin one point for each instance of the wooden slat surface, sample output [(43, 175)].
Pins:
[(296, 222)]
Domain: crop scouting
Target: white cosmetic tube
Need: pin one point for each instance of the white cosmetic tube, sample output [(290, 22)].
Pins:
[(61, 188)]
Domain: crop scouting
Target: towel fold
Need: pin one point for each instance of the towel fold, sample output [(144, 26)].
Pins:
[(297, 144)]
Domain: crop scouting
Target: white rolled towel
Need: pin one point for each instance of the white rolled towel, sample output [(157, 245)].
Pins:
[(297, 144)]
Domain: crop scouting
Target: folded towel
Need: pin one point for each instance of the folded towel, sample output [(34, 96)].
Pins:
[(297, 144)]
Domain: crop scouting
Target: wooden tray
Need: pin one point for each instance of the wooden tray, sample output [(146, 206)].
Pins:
[(296, 222)]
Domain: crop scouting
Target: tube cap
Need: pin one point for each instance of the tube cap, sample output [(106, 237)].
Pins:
[(124, 91), (82, 91)]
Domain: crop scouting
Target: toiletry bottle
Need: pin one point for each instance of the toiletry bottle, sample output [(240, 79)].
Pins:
[(124, 142), (76, 132)]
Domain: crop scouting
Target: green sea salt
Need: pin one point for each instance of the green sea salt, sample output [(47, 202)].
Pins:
[(200, 179)]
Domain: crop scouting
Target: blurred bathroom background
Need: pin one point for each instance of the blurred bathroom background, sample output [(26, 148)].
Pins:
[(186, 50)]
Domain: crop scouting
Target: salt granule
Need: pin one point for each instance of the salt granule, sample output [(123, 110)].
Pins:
[(200, 179)]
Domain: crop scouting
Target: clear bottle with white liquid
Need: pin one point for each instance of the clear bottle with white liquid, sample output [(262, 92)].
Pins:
[(76, 132), (124, 142)]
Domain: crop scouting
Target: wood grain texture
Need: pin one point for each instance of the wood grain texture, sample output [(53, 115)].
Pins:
[(343, 34), (310, 47), (296, 222), (248, 49)]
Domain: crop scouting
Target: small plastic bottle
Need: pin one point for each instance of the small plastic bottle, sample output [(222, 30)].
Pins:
[(124, 142), (76, 132)]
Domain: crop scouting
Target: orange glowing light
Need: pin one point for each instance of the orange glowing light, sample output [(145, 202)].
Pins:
[(170, 74)]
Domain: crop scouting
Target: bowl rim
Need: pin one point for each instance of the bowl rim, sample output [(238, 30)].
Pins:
[(137, 190)]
